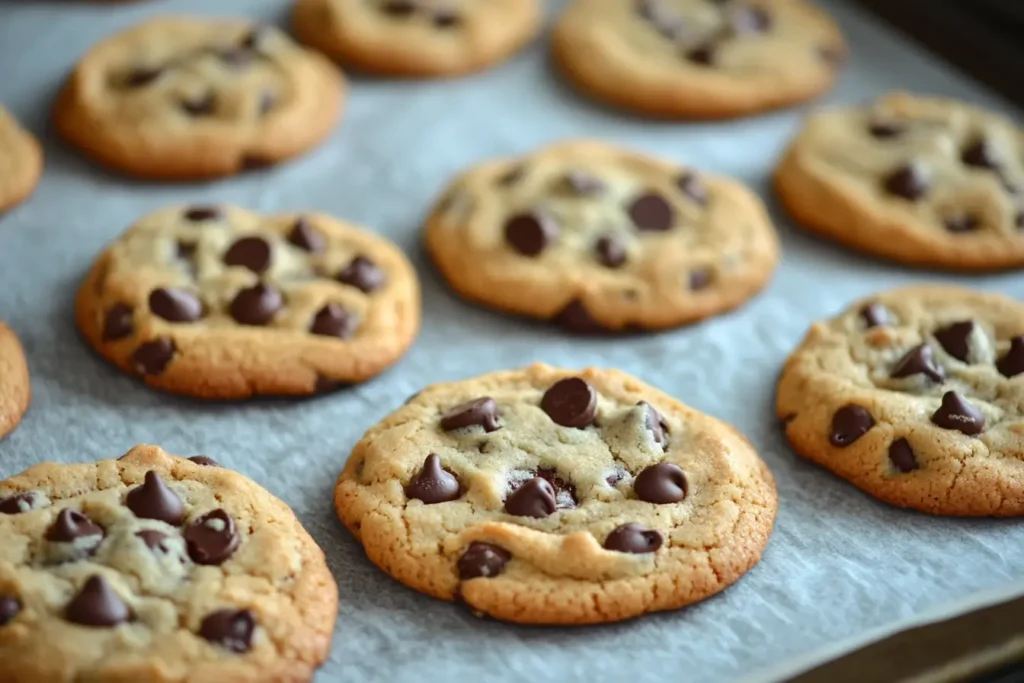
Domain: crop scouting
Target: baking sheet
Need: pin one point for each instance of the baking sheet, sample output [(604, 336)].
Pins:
[(839, 564)]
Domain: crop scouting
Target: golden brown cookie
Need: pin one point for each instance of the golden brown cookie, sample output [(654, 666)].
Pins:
[(188, 97), (15, 391), (920, 180), (21, 161), (916, 396), (220, 302), (548, 496)]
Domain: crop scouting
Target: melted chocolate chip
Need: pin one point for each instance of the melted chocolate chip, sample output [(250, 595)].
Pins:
[(699, 279), (693, 187), (584, 184), (874, 315), (175, 305), (96, 604), (908, 182), (651, 211), (530, 233), (118, 323), (482, 560), (71, 525), (1012, 364), (956, 338), (256, 305), (153, 357), (576, 318), (212, 538), (611, 251), (10, 607), (433, 484), (203, 105), (534, 498), (249, 252), (153, 500), (305, 236), (153, 539), (849, 424), (333, 321), (198, 214), (703, 55), (570, 402), (363, 274), (981, 154), (633, 538), (884, 130), (481, 412), (143, 76), (956, 413), (232, 629), (902, 457), (205, 461), (962, 222), (18, 503), (660, 484), (655, 424), (919, 360)]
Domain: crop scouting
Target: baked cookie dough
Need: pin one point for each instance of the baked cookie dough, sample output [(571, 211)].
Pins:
[(417, 38), (600, 238), (548, 496), (221, 302), (706, 59), (21, 161), (916, 396), (154, 568), (15, 391), (191, 98), (920, 180)]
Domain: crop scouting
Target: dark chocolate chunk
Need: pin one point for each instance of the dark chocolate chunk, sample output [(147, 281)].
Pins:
[(481, 412), (849, 424), (633, 538), (1012, 363), (232, 629), (956, 338), (956, 413), (197, 214), (96, 604), (433, 484), (333, 321), (175, 305), (919, 360), (902, 457), (981, 154), (531, 232), (152, 357), (702, 54), (71, 525), (651, 211), (570, 402), (363, 274), (10, 607), (212, 538), (908, 182), (482, 560), (256, 305), (661, 483), (153, 500), (534, 498), (576, 318), (118, 323), (611, 251), (249, 252), (305, 236)]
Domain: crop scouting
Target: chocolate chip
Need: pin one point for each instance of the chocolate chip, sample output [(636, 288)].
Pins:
[(1018, 222), (655, 423), (205, 461), (750, 19), (702, 54), (255, 38), (185, 250), (611, 251), (118, 323), (908, 182), (249, 252), (919, 360), (955, 338), (570, 402), (584, 184), (651, 211), (884, 130), (236, 57), (512, 176), (153, 500), (576, 318), (433, 484), (18, 503), (305, 236), (446, 17), (202, 213), (212, 538), (363, 274), (1012, 364), (902, 457), (199, 106), (700, 278), (530, 233), (661, 483), (143, 76), (534, 498), (481, 412), (482, 560), (153, 539), (96, 604), (256, 305), (175, 305), (633, 538), (71, 525), (963, 222), (956, 413), (399, 8), (232, 629), (849, 424), (981, 154), (874, 315), (267, 101), (152, 357), (10, 607), (693, 187), (333, 321)]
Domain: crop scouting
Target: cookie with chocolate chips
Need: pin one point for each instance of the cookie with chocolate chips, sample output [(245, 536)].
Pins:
[(188, 98), (154, 568), (920, 180), (914, 395), (549, 496), (417, 38), (220, 302), (599, 238), (15, 391), (21, 161), (708, 59)]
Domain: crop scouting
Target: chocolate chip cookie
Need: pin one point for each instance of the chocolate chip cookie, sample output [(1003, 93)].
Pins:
[(181, 98), (417, 38), (920, 180), (220, 302), (15, 391), (549, 496), (599, 238), (21, 161), (155, 568), (698, 58), (917, 397)]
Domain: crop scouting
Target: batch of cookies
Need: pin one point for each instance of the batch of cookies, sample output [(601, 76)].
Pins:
[(538, 495)]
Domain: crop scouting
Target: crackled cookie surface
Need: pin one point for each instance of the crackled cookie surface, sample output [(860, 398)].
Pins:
[(923, 181), (193, 98), (220, 302), (417, 37), (544, 495), (698, 58), (21, 161), (157, 568), (15, 391), (916, 396), (600, 238)]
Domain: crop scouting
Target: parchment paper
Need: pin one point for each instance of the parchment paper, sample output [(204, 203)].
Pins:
[(838, 563)]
